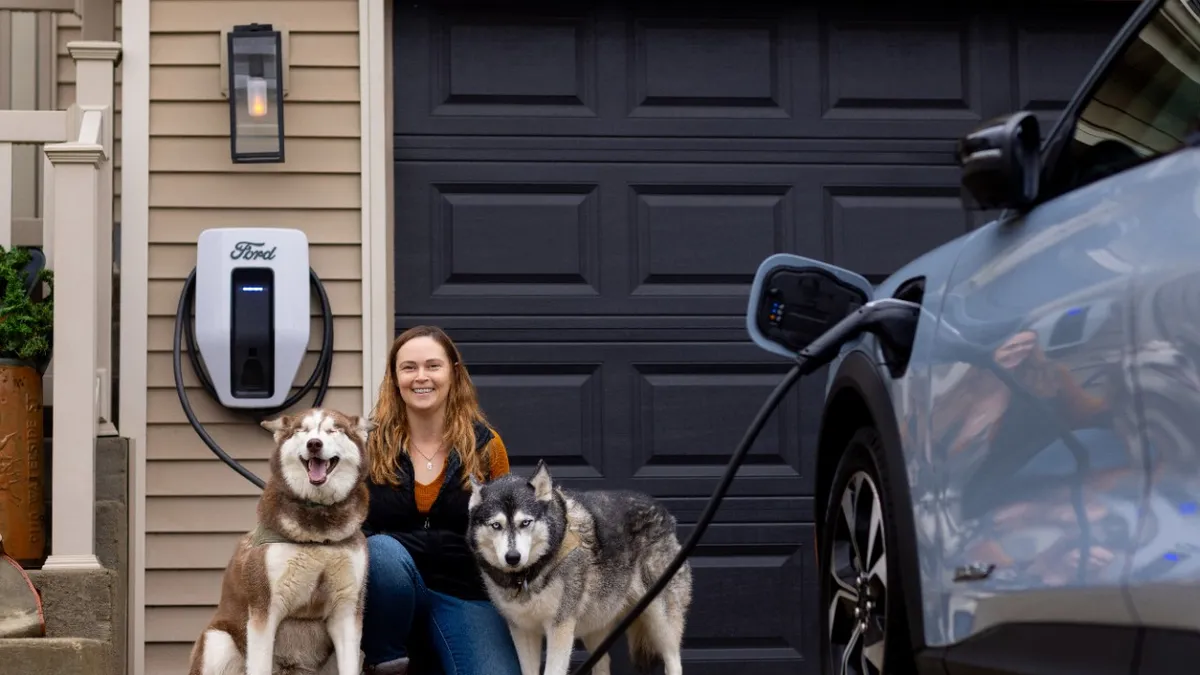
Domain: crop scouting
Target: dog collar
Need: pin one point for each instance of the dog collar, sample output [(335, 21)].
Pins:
[(263, 535)]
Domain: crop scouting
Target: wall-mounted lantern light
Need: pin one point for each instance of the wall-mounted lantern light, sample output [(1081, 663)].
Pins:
[(254, 68)]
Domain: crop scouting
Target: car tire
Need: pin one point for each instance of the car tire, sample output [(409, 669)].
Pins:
[(857, 600)]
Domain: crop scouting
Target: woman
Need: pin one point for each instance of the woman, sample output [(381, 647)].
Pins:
[(1017, 508), (424, 593)]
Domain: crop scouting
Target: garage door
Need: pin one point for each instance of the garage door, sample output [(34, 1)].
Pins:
[(582, 198)]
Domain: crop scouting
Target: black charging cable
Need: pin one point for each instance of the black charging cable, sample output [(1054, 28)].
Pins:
[(185, 330), (893, 321), (710, 511)]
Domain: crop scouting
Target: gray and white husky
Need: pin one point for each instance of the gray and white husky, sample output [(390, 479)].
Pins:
[(569, 564)]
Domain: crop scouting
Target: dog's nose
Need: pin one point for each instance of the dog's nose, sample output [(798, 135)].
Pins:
[(314, 444), (512, 557)]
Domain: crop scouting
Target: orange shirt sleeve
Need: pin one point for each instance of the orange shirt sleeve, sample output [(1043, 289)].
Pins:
[(499, 457)]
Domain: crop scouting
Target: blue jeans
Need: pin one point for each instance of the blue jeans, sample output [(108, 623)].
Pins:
[(467, 637)]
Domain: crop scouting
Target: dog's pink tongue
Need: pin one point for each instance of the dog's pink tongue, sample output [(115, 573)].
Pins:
[(316, 469)]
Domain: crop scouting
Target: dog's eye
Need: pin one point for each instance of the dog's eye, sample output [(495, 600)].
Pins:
[(527, 522), (495, 526)]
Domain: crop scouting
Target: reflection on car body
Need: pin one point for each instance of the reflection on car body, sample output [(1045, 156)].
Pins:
[(1033, 464)]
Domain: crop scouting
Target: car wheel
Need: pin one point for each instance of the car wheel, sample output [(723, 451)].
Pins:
[(862, 607)]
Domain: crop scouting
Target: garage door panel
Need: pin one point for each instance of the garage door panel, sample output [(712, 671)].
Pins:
[(702, 68), (874, 229), (763, 71), (746, 618), (870, 61), (662, 418), (836, 70), (487, 62), (688, 417), (647, 239), (485, 234), (545, 411)]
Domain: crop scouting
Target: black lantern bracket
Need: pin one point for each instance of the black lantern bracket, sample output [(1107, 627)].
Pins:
[(284, 41)]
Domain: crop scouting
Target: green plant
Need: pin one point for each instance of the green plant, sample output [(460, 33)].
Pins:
[(26, 324)]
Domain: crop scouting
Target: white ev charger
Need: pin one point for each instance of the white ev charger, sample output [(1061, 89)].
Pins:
[(250, 291)]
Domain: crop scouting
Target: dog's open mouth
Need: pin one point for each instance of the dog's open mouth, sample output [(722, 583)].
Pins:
[(319, 469)]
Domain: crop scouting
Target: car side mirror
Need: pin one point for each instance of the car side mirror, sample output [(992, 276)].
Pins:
[(1000, 163), (794, 300)]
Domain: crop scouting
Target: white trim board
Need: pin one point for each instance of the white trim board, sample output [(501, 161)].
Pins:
[(135, 254), (375, 148)]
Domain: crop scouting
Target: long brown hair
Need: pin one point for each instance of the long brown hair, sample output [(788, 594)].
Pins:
[(392, 433)]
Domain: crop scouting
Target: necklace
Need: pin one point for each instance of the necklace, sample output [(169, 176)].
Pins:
[(428, 459)]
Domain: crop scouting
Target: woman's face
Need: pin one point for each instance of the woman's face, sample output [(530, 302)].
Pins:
[(423, 374)]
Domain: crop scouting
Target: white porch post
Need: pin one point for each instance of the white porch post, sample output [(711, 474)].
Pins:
[(76, 203), (95, 68)]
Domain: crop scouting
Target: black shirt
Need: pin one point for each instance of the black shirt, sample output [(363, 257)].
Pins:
[(437, 539)]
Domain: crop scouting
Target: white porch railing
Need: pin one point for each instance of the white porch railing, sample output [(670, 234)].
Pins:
[(77, 198)]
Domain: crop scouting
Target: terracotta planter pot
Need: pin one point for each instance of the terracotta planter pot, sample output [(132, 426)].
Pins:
[(22, 475)]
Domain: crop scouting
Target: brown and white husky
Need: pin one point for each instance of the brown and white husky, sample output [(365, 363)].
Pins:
[(293, 592)]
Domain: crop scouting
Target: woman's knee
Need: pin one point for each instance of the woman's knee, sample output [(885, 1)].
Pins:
[(471, 637), (391, 572)]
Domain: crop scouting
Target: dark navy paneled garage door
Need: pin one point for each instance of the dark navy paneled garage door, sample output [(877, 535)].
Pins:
[(583, 193)]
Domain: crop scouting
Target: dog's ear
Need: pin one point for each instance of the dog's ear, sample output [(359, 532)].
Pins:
[(476, 493), (277, 426), (362, 426), (543, 486)]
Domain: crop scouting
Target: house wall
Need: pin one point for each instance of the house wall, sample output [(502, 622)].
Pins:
[(195, 506)]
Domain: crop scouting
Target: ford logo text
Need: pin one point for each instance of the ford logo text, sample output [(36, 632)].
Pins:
[(251, 250)]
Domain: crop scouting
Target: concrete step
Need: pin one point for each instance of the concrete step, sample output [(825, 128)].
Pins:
[(77, 603), (54, 656), (84, 609)]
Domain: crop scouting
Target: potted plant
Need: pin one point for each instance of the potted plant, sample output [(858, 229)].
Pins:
[(26, 337)]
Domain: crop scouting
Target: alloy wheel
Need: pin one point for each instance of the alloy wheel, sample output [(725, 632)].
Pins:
[(857, 613)]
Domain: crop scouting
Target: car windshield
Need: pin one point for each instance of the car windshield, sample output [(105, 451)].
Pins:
[(1146, 105)]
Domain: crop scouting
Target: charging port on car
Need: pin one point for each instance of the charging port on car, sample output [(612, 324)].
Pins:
[(799, 305)]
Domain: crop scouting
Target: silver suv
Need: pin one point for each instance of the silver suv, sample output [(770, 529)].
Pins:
[(1008, 481)]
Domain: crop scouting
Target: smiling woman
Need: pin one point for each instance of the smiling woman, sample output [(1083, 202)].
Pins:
[(425, 597)]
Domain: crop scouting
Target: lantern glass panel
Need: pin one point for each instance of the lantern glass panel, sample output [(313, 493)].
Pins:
[(256, 96)]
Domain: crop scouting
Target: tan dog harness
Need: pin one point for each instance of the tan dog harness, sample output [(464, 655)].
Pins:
[(263, 535), (571, 541)]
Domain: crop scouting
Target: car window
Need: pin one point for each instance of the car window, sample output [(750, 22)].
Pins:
[(1147, 104)]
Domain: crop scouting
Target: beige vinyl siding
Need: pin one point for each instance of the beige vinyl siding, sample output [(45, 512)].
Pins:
[(196, 507)]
